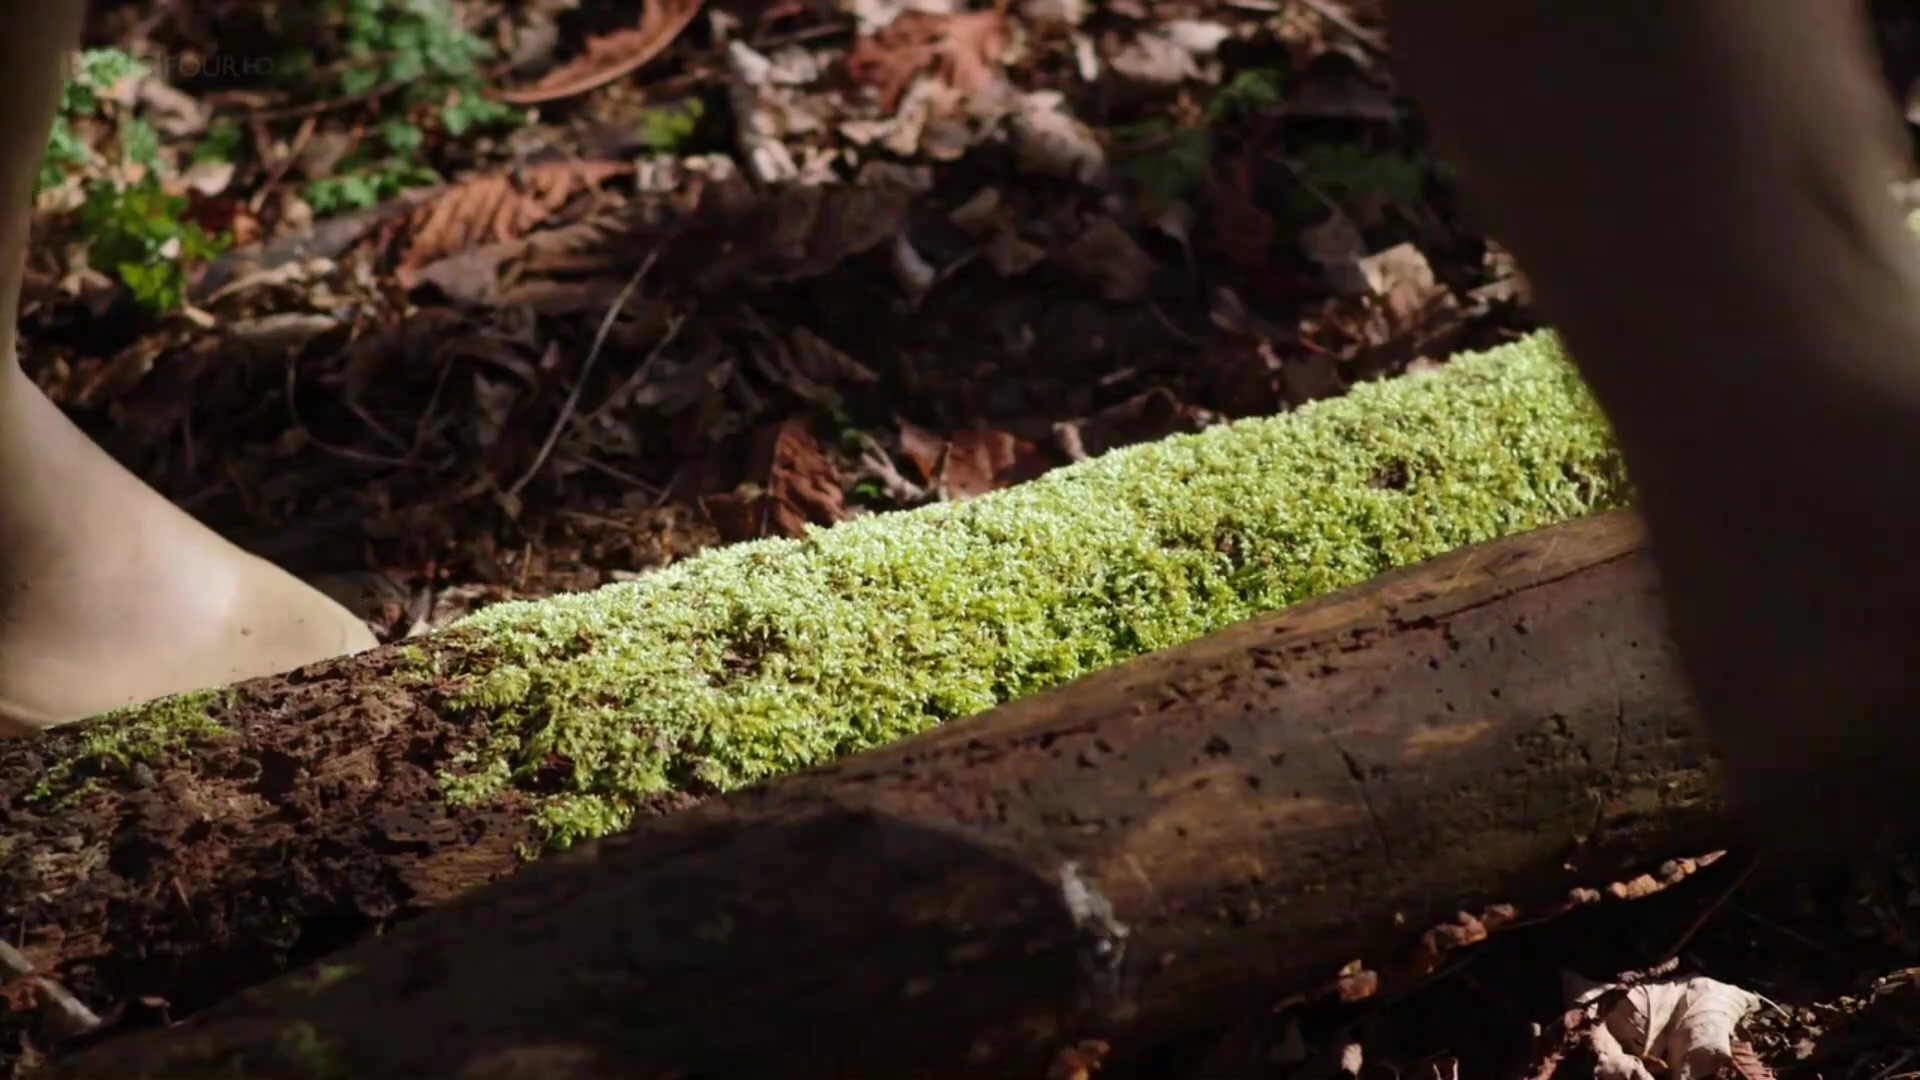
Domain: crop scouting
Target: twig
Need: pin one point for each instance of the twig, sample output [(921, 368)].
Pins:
[(300, 140), (632, 385), (421, 426), (1712, 909), (649, 490), (317, 108), (70, 1017), (347, 452), (1331, 12), (586, 369)]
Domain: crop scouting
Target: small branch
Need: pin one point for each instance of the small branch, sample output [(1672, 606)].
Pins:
[(586, 369)]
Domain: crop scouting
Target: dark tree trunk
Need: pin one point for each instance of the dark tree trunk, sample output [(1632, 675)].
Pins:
[(1121, 858)]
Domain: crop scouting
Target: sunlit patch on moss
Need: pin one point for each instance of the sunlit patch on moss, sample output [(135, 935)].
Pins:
[(886, 625)]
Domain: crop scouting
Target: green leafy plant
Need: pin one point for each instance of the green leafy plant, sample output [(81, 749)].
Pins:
[(139, 232), (424, 66), (95, 71), (1171, 160), (133, 228), (366, 184), (668, 128), (221, 143), (1345, 170)]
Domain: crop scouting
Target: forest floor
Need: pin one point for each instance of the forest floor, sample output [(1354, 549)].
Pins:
[(447, 304)]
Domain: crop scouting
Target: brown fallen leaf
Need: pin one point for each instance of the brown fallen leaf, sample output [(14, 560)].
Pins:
[(1440, 940), (1747, 1064), (1356, 982), (1153, 414), (610, 56), (494, 208), (1245, 375), (962, 49), (971, 461), (1241, 231), (1108, 258), (794, 485), (1079, 1061), (741, 235)]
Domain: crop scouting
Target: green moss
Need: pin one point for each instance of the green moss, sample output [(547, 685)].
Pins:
[(753, 660), (322, 977), (302, 1048), (117, 742)]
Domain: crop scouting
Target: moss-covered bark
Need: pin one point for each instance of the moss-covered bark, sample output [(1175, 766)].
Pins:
[(194, 845), (1197, 832), (758, 659)]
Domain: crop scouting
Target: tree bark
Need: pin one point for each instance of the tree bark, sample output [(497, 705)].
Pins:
[(1121, 858)]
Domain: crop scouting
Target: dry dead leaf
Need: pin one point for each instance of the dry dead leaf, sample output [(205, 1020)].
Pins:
[(795, 485), (610, 56), (1152, 59), (1399, 310), (1612, 1061), (494, 209), (1684, 1024), (1050, 141), (1108, 258), (1310, 376), (1244, 375), (1079, 1061), (1437, 941), (1145, 417), (1747, 1063), (802, 362), (1404, 282), (1241, 230), (790, 233), (1339, 89), (1337, 248), (971, 461), (963, 50), (1356, 982)]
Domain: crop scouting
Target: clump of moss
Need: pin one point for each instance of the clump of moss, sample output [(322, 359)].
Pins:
[(126, 739), (756, 659)]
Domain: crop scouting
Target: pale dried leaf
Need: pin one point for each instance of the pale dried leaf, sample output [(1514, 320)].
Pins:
[(1152, 59), (1336, 246), (1687, 1024), (1049, 141), (963, 50), (1056, 12), (1612, 1061), (1700, 1038)]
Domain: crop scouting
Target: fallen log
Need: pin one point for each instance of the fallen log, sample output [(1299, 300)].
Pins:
[(193, 847), (1120, 858)]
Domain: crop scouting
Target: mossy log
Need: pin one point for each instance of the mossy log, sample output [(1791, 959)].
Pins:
[(1121, 858), (183, 849)]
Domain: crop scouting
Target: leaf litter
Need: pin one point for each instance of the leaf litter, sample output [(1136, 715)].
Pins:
[(900, 253)]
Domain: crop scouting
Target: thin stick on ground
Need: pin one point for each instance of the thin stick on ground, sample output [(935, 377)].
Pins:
[(1333, 13), (586, 370)]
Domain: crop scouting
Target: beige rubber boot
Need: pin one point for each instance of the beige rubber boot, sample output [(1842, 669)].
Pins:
[(1699, 193), (109, 594)]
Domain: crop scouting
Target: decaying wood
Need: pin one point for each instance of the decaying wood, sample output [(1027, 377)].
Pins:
[(1121, 858)]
